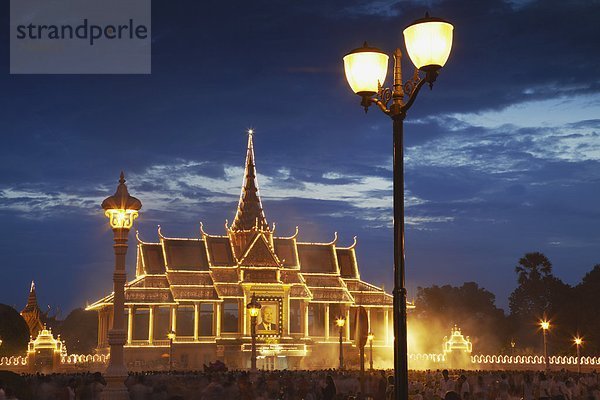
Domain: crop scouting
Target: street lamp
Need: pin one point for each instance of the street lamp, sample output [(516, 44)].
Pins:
[(340, 322), (578, 342), (121, 210), (428, 42), (545, 326), (254, 309), (171, 335), (370, 338)]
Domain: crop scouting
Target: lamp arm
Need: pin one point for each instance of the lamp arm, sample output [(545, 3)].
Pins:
[(380, 104), (413, 94)]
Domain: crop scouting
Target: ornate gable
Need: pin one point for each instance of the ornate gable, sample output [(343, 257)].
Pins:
[(259, 254)]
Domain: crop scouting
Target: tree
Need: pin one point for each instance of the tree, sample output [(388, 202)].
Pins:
[(534, 296), (539, 295), (586, 311), (469, 306), (79, 331), (533, 266), (13, 332)]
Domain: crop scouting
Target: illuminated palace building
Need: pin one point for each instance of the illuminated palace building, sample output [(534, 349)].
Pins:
[(198, 288)]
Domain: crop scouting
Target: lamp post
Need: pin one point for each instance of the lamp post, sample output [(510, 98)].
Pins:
[(371, 337), (121, 210), (171, 335), (578, 342), (340, 322), (545, 326), (254, 308), (428, 42)]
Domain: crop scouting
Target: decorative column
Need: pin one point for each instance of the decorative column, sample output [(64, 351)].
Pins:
[(151, 325), (326, 321), (305, 319), (286, 314), (130, 315), (218, 320), (386, 326), (121, 209), (196, 320), (173, 318), (245, 323), (348, 323)]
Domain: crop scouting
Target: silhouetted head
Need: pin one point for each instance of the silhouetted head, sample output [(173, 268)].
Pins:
[(329, 381), (451, 395)]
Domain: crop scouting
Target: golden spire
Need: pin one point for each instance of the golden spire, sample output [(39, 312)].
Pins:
[(250, 214), (32, 304), (32, 313)]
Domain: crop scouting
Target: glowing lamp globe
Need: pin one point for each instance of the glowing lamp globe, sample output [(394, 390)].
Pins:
[(578, 341), (121, 219), (366, 68), (545, 325), (121, 208), (371, 336), (428, 42), (171, 335), (253, 307), (340, 322)]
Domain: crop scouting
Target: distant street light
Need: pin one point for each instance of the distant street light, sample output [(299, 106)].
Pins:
[(121, 210), (578, 342), (428, 42), (254, 309), (370, 338), (545, 326), (171, 335), (340, 322)]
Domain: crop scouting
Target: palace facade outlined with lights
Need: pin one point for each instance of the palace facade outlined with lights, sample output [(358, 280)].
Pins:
[(198, 288)]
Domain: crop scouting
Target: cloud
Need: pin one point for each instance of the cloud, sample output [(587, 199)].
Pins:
[(190, 188)]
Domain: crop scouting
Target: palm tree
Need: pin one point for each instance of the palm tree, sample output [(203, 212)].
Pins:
[(533, 267)]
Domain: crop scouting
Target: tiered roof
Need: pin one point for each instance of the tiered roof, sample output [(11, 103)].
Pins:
[(32, 313), (212, 267)]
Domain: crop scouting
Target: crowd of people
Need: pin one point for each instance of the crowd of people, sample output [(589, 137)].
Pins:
[(312, 385)]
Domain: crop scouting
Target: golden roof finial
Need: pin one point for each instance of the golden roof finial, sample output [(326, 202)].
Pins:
[(122, 199), (249, 214)]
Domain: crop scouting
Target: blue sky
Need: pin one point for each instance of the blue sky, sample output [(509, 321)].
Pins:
[(502, 156)]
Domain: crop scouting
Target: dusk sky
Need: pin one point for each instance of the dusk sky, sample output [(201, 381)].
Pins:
[(502, 157)]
